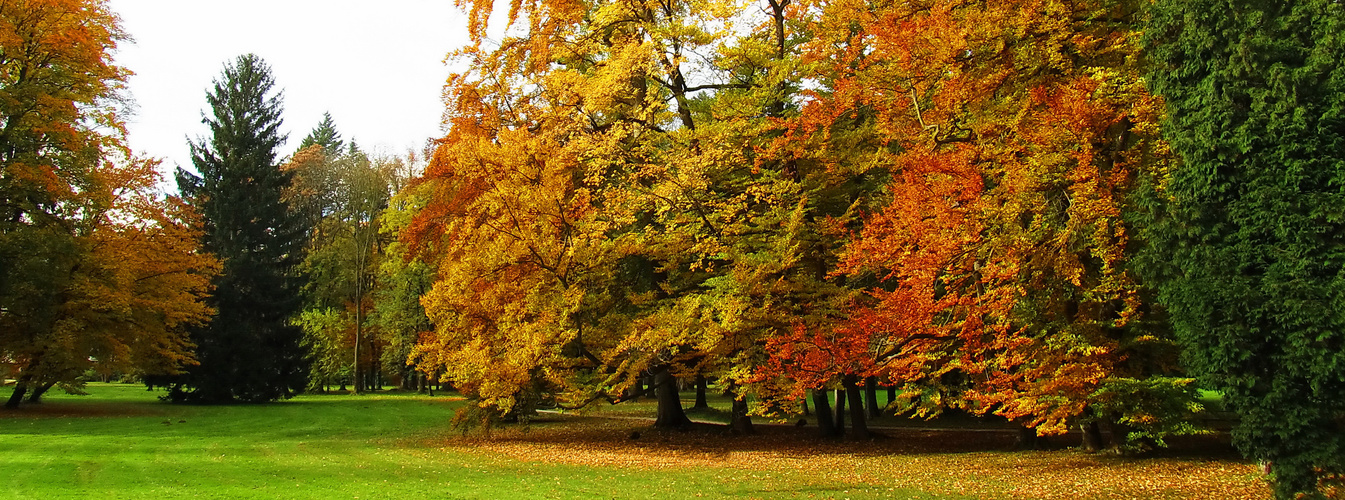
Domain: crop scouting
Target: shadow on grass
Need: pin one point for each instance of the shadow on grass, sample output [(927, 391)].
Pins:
[(638, 436), (63, 409)]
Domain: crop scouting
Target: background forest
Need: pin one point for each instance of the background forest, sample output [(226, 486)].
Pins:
[(1066, 214)]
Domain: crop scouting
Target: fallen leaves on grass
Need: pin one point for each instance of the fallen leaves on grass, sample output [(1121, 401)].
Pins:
[(973, 464)]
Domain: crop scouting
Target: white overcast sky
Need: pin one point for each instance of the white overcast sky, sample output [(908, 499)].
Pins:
[(377, 67)]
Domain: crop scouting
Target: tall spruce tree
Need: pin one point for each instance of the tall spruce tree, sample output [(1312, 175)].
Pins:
[(250, 351), (1250, 241)]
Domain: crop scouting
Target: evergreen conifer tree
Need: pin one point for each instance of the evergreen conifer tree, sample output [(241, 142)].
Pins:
[(250, 351), (325, 135), (1248, 244)]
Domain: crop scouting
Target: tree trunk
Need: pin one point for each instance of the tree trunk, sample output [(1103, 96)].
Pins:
[(634, 392), (1027, 438), (858, 422), (380, 379), (355, 383), (891, 394), (376, 381), (871, 397), (670, 414), (36, 395), (701, 403), (840, 413), (824, 423), (1092, 437), (740, 423), (21, 384), (805, 407), (20, 388), (1120, 437)]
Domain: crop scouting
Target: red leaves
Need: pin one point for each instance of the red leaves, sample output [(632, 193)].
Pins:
[(1011, 132)]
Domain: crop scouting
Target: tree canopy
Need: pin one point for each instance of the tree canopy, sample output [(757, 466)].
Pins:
[(97, 270)]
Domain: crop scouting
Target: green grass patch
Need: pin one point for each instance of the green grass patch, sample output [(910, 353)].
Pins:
[(120, 442)]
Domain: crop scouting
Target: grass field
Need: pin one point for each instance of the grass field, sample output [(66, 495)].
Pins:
[(119, 442)]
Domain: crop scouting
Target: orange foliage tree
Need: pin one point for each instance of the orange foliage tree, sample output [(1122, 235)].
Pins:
[(96, 269), (1013, 133)]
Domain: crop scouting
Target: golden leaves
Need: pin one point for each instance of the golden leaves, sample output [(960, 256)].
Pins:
[(951, 463)]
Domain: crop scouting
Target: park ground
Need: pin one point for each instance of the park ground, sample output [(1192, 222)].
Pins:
[(119, 442)]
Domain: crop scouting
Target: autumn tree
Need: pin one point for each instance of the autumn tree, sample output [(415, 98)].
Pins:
[(1011, 134), (250, 351), (1246, 230), (505, 221), (97, 271), (401, 280), (555, 139), (342, 193)]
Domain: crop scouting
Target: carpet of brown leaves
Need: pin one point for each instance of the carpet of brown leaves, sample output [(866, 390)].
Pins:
[(976, 464)]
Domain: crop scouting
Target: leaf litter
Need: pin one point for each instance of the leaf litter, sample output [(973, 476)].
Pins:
[(981, 465)]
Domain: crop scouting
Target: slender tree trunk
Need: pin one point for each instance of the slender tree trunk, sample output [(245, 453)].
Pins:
[(1092, 437), (858, 422), (891, 394), (871, 397), (825, 425), (375, 381), (805, 407), (359, 303), (36, 395), (840, 412), (670, 414), (371, 373), (701, 403), (356, 380), (381, 377)]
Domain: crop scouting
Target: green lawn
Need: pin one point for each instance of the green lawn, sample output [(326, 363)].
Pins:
[(119, 442)]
